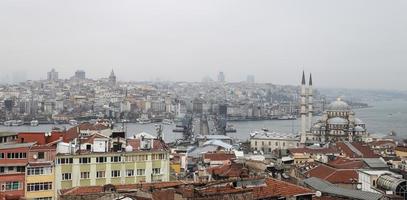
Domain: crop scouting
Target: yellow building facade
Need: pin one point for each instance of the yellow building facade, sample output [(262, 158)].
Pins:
[(39, 182), (98, 169)]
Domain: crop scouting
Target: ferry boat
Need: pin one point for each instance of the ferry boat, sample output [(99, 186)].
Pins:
[(7, 123), (143, 120), (73, 122), (167, 121), (17, 122), (34, 123), (287, 117), (230, 129)]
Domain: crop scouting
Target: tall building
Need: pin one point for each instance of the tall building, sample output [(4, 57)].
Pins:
[(221, 77), (112, 78), (80, 75), (250, 79), (52, 75)]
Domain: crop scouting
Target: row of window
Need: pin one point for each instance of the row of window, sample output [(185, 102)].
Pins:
[(269, 143), (114, 173), (10, 186), (14, 155), (39, 170), (39, 186), (113, 159), (12, 169)]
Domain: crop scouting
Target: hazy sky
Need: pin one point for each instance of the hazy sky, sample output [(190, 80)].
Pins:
[(344, 43)]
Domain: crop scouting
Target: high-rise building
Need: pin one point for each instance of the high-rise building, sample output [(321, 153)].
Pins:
[(80, 75), (221, 77), (250, 79), (52, 75), (112, 78)]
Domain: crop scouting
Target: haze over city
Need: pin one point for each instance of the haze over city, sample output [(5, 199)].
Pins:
[(347, 44)]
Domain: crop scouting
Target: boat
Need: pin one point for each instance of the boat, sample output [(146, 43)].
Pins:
[(73, 122), (287, 117), (143, 120), (124, 121), (230, 129), (7, 123), (167, 121), (34, 123), (17, 122)]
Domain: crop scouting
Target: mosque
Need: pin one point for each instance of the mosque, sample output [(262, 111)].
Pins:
[(338, 122)]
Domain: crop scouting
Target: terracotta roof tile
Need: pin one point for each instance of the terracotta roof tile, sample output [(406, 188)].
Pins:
[(277, 188)]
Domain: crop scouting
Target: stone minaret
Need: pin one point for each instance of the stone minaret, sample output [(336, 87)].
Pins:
[(303, 110), (310, 109)]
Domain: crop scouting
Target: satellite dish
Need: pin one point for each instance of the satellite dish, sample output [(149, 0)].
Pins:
[(35, 156), (359, 186), (318, 193)]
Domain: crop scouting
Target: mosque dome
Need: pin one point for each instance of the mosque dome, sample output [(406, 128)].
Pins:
[(359, 129), (337, 120), (338, 105), (358, 121)]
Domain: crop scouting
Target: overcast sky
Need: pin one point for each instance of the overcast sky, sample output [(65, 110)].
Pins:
[(344, 43)]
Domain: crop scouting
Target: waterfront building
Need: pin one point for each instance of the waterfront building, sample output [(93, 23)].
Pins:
[(267, 142), (338, 122)]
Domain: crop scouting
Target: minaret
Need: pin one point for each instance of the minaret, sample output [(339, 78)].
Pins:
[(303, 136), (310, 109)]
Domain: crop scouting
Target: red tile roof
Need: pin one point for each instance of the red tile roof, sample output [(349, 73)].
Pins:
[(330, 150), (344, 163), (219, 156), (98, 189), (229, 170), (277, 188), (362, 148), (333, 175)]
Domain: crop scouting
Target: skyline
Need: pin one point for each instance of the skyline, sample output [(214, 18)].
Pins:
[(188, 40)]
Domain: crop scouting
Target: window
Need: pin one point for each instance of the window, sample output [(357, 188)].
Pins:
[(255, 143), (63, 161), (115, 159), (141, 172), (101, 159), (161, 156), (1, 155), (39, 186), (276, 143), (39, 170), (156, 170), (84, 160), (43, 198), (20, 169), (142, 158), (100, 174), (115, 173), (129, 172), (11, 185), (85, 175), (41, 155), (66, 176), (20, 155)]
